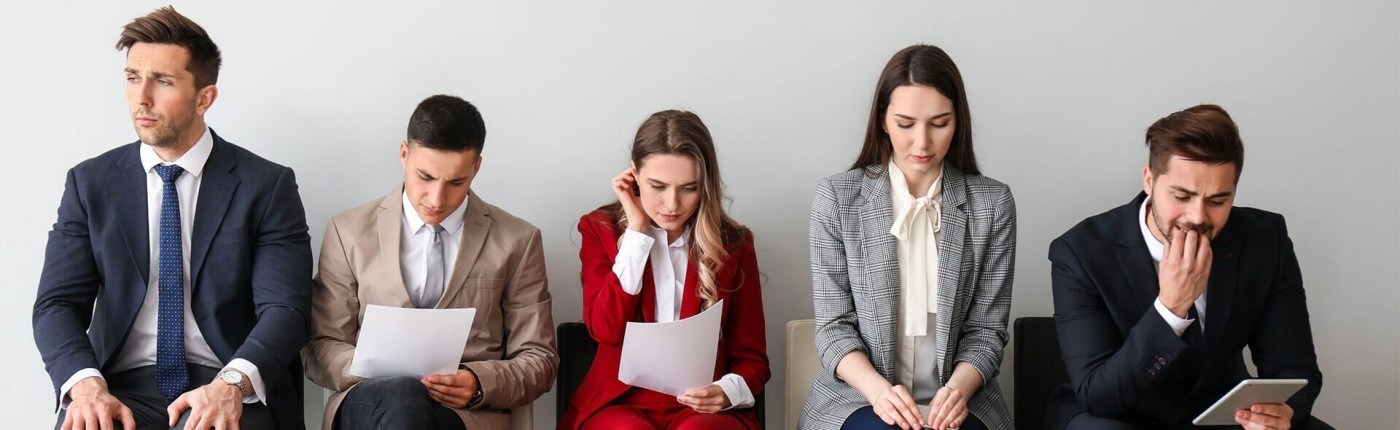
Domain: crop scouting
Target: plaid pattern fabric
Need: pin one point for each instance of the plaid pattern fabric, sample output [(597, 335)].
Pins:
[(855, 286)]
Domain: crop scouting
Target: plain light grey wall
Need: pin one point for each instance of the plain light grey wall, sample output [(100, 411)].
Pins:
[(1061, 93)]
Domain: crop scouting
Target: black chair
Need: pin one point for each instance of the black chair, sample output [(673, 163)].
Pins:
[(1039, 369), (576, 351)]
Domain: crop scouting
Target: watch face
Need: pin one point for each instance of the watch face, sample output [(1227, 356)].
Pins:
[(230, 377)]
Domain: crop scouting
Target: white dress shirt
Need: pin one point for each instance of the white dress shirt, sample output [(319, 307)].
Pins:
[(140, 347), (668, 271), (917, 229), (1156, 248), (418, 238)]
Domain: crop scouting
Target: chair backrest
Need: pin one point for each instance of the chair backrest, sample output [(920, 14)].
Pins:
[(1039, 369), (522, 417), (802, 366), (576, 352)]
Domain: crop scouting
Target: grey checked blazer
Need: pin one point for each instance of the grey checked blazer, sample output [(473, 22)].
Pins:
[(855, 286)]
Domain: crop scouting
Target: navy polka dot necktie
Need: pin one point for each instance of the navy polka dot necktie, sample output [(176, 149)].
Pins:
[(171, 375)]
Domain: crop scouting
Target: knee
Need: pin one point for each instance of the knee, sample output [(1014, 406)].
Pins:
[(719, 421), (617, 418), (386, 396)]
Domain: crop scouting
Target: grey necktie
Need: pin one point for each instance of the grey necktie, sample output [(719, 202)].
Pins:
[(432, 284)]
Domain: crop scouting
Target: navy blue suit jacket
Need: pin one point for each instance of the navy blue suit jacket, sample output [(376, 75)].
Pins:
[(1124, 362), (250, 268)]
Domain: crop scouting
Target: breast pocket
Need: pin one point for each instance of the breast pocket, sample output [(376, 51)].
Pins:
[(484, 294)]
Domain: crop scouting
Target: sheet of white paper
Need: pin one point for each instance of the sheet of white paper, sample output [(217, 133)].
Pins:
[(672, 357), (411, 342)]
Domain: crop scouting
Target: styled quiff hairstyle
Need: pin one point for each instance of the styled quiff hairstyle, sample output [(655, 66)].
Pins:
[(166, 26), (1203, 133)]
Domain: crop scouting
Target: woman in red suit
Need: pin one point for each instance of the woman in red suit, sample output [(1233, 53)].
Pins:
[(666, 251)]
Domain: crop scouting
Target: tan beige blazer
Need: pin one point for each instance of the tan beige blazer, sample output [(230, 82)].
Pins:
[(499, 271)]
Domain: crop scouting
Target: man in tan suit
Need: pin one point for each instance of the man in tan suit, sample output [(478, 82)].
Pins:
[(435, 244)]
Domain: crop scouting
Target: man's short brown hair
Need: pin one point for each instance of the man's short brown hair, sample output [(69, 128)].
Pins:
[(167, 26), (1202, 133)]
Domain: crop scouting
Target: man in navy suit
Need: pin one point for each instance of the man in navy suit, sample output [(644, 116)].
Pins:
[(1155, 300), (176, 284)]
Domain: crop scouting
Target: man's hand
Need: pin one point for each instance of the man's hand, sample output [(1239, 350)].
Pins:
[(1184, 271), (453, 391), (217, 405), (1264, 416), (706, 400), (94, 407)]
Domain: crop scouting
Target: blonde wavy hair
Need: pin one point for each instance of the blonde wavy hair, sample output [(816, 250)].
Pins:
[(681, 133)]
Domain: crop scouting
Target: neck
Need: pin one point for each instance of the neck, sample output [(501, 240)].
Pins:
[(919, 183), (672, 235), (186, 141)]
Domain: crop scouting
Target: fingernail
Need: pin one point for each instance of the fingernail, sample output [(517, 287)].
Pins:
[(1254, 408), (1239, 415)]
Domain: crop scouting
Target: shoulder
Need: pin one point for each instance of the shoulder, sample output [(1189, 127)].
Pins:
[(360, 217), (1099, 230), (839, 190), (506, 224), (101, 166)]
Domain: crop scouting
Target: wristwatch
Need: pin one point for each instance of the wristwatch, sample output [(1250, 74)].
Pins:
[(476, 397), (232, 377)]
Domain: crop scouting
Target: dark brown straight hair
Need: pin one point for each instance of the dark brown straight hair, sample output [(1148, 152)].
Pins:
[(1202, 133), (919, 65)]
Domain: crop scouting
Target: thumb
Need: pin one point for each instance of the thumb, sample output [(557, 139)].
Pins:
[(175, 408)]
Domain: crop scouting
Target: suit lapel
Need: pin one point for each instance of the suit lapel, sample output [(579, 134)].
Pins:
[(131, 202), (950, 249), (474, 230), (881, 262), (389, 226), (1134, 258), (690, 298), (216, 189), (1220, 289)]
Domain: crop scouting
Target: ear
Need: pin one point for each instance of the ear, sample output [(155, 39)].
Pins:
[(476, 167), (205, 99), (403, 154), (1147, 180)]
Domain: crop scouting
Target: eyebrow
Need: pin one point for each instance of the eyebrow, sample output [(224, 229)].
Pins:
[(1193, 193), (656, 182), (152, 73), (429, 176), (902, 116)]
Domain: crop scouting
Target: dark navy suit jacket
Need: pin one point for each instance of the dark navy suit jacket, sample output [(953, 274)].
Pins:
[(250, 268), (1124, 362)]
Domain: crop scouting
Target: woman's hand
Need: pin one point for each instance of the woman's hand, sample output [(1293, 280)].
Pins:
[(896, 407), (622, 185), (706, 400), (948, 409)]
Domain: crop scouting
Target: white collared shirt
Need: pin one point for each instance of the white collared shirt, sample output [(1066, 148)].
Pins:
[(668, 272), (1156, 248), (914, 355), (418, 238), (140, 347)]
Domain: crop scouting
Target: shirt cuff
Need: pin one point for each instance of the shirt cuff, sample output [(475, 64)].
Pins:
[(1178, 324), (254, 379), (736, 390), (632, 259), (73, 380)]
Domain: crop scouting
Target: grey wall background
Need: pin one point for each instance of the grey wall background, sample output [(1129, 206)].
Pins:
[(1061, 93)]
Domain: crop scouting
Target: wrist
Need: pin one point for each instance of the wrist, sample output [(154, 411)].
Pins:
[(88, 386)]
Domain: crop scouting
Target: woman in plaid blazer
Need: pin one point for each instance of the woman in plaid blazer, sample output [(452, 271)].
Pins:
[(913, 252)]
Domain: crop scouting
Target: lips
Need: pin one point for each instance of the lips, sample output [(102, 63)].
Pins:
[(921, 158), (670, 218)]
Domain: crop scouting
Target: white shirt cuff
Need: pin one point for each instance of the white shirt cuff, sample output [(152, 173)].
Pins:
[(632, 259), (736, 390), (254, 379), (1178, 324), (73, 380)]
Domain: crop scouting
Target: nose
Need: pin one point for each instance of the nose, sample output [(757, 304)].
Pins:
[(672, 200), (1195, 212), (433, 197), (145, 95)]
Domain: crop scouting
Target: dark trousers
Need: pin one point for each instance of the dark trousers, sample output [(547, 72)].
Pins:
[(1091, 422), (136, 388), (394, 403), (866, 419)]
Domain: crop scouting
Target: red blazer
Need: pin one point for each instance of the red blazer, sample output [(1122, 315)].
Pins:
[(607, 309)]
